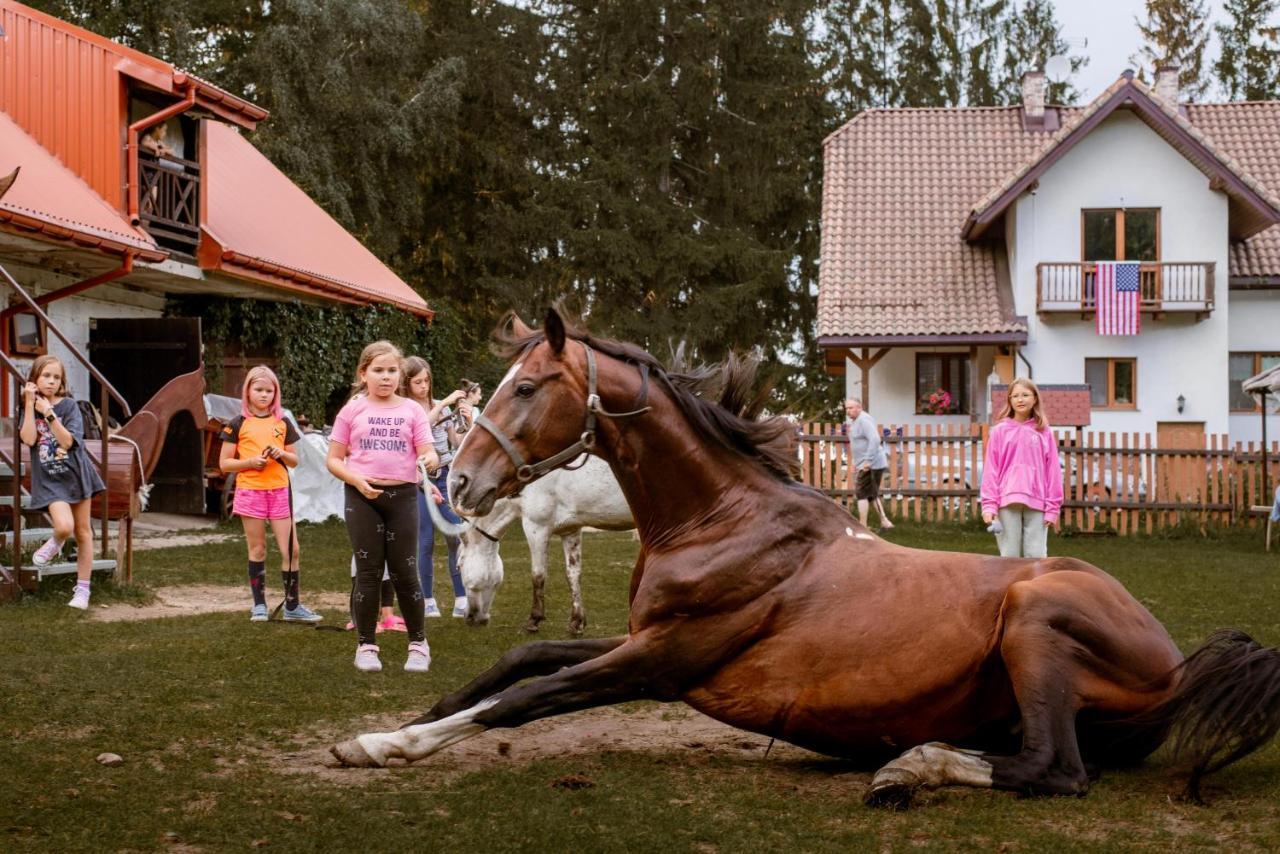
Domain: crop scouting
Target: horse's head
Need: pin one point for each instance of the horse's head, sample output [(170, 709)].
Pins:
[(536, 415)]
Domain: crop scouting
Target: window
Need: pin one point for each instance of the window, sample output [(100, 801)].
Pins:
[(1131, 234), (27, 335), (1241, 366), (942, 383), (1113, 383)]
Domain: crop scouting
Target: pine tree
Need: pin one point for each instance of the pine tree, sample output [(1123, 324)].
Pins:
[(970, 32), (1249, 66), (856, 53), (919, 71), (1032, 35), (1176, 31)]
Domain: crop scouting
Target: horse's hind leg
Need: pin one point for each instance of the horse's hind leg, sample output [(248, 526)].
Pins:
[(625, 673), (532, 659), (573, 572)]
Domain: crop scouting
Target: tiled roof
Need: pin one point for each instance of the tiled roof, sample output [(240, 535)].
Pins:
[(1064, 405), (900, 183)]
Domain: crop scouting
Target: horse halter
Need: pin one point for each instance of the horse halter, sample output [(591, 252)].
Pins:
[(526, 472)]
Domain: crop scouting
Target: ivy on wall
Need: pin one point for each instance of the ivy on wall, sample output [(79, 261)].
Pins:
[(317, 347)]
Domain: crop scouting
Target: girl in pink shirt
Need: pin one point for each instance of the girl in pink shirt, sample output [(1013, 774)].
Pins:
[(1021, 477), (374, 448)]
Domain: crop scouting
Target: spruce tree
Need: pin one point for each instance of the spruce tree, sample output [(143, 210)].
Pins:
[(1249, 66), (1176, 31), (856, 53), (1032, 35), (920, 69)]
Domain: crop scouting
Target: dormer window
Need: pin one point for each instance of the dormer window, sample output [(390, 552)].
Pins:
[(1120, 234)]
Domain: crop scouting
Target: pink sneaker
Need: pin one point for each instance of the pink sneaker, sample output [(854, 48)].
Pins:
[(393, 624), (376, 629), (367, 659), (46, 553), (419, 660)]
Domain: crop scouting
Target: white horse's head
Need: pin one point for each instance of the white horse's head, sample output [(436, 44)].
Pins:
[(481, 568)]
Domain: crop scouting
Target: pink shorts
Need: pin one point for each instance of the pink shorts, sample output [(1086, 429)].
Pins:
[(262, 503)]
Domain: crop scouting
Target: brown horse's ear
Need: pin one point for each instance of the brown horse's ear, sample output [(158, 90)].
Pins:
[(518, 327), (553, 328)]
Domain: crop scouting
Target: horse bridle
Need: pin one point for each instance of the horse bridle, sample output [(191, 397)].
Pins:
[(527, 472)]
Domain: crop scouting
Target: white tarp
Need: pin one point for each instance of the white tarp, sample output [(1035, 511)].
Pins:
[(1268, 380), (317, 495)]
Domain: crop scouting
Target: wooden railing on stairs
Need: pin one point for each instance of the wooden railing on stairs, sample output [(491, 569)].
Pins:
[(108, 393)]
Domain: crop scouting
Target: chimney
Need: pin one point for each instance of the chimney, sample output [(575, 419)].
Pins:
[(1034, 87), (1167, 82)]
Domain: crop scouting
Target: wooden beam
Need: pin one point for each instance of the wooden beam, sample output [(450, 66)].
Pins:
[(865, 363)]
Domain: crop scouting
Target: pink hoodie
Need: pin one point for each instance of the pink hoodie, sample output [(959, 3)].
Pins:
[(1022, 468)]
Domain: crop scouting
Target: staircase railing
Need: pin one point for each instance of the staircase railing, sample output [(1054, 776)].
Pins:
[(108, 392), (15, 466)]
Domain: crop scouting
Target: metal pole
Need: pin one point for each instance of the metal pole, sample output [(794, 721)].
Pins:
[(106, 470)]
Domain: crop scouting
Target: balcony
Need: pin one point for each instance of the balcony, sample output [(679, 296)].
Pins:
[(169, 200), (1184, 287)]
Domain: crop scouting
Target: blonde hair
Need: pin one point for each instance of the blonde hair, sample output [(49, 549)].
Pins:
[(1037, 408), (367, 355), (414, 365), (261, 372), (42, 362)]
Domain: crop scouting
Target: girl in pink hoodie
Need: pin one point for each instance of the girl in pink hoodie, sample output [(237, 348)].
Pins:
[(1021, 478)]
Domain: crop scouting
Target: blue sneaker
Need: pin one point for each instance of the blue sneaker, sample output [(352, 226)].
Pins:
[(301, 614), (431, 609), (258, 614), (460, 606)]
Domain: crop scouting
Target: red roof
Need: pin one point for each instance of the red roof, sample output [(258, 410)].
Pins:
[(259, 225), (1064, 405), (49, 199)]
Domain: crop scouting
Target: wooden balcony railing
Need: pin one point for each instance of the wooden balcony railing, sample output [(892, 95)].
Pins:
[(169, 199), (1178, 286)]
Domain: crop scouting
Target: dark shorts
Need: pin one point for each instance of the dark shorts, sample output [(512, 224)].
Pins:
[(867, 486)]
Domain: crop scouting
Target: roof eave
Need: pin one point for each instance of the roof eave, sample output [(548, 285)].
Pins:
[(28, 225), (922, 339), (1266, 214)]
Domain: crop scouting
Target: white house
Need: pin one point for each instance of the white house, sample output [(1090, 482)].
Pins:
[(959, 243)]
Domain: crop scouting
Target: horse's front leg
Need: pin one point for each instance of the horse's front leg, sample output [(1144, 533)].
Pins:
[(532, 659), (539, 538), (573, 572), (632, 671)]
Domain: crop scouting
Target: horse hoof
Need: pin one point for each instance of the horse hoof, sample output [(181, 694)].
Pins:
[(894, 796), (532, 627), (352, 755)]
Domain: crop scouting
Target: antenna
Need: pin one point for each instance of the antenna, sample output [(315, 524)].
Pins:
[(1058, 67)]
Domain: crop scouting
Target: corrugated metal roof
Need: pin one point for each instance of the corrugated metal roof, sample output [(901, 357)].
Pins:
[(49, 198), (67, 87), (260, 225)]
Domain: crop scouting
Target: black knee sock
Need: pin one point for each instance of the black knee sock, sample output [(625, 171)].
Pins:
[(290, 580), (388, 593), (258, 581)]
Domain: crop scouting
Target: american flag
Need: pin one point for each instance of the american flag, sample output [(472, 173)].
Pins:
[(1118, 293)]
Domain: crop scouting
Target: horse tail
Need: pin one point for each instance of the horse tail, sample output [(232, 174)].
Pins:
[(1226, 704)]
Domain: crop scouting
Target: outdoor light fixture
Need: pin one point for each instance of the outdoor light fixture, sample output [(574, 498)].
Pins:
[(1182, 404)]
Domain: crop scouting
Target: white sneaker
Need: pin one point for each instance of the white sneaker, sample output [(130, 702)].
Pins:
[(460, 606), (46, 553), (367, 659), (79, 599), (419, 660), (431, 609)]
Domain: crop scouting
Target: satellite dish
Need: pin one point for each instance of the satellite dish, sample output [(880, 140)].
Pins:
[(1058, 68)]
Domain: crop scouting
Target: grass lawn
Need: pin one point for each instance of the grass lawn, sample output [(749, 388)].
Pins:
[(206, 710)]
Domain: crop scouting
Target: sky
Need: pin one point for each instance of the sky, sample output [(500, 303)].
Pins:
[(1113, 37)]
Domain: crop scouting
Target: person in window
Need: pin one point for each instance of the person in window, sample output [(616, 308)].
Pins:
[(156, 141), (867, 459)]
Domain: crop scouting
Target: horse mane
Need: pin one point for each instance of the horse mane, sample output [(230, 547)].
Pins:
[(732, 420)]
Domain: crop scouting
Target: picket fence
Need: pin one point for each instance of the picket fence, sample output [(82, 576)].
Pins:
[(1117, 482)]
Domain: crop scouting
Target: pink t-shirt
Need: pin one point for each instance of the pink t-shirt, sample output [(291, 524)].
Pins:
[(382, 440)]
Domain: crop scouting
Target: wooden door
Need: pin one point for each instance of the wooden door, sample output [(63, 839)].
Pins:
[(1180, 477), (138, 356)]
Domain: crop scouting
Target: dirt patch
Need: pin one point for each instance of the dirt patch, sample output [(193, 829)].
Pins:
[(192, 599), (652, 730), (167, 540)]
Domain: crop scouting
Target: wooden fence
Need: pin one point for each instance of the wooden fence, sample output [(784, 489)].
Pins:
[(1111, 481)]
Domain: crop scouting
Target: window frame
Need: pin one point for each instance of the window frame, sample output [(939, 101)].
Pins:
[(1111, 382), (1119, 212), (40, 348), (964, 390), (1258, 356)]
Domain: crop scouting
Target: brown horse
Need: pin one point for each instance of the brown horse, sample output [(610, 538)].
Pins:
[(761, 603)]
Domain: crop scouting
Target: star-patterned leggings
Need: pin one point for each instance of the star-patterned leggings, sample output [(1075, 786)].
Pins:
[(384, 532)]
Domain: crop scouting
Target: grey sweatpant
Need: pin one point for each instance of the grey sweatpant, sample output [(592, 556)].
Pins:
[(1025, 534)]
